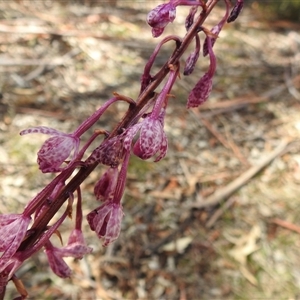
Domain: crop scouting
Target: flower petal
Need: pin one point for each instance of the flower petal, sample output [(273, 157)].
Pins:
[(10, 227), (12, 236), (43, 130), (163, 148), (150, 139), (159, 17), (55, 151), (57, 264), (113, 227), (130, 134), (106, 221), (105, 187)]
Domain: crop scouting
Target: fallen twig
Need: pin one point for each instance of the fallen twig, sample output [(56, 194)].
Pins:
[(219, 212), (233, 186), (227, 143), (286, 224)]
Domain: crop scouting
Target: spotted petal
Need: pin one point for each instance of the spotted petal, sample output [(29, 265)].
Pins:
[(150, 140), (55, 151)]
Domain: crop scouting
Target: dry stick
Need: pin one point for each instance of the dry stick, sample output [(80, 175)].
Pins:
[(219, 212), (286, 224), (233, 186), (213, 130)]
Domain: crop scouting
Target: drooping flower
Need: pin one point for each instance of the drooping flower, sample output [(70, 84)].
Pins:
[(56, 262), (109, 153), (59, 147), (202, 89), (236, 10), (152, 139), (106, 221), (190, 17), (56, 149), (76, 248), (106, 185), (200, 92), (13, 228), (192, 59), (159, 17)]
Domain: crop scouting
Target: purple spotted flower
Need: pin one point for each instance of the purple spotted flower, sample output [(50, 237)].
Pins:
[(13, 228), (56, 262), (159, 17), (75, 248), (152, 139), (202, 89), (56, 149), (61, 146), (106, 219)]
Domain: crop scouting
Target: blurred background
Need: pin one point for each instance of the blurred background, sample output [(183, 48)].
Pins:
[(60, 60)]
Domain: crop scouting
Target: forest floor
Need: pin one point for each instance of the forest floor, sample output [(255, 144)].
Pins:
[(219, 217)]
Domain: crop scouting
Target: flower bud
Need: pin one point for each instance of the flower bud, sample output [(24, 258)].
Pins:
[(56, 262), (192, 59), (200, 92), (106, 221), (152, 139), (235, 11), (190, 18), (159, 17)]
